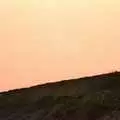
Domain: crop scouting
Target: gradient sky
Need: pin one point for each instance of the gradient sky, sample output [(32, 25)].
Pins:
[(49, 40)]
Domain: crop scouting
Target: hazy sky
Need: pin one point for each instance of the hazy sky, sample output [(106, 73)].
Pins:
[(48, 40)]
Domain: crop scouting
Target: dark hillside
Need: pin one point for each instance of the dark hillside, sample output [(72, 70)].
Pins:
[(89, 98)]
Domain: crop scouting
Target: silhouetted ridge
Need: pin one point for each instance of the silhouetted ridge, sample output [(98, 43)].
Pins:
[(112, 74), (89, 98)]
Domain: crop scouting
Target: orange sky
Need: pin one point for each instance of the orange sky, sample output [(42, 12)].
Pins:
[(48, 40)]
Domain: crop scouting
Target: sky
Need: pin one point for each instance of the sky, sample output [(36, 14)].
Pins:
[(50, 40)]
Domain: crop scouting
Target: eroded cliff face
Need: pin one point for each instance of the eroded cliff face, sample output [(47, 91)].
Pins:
[(89, 98)]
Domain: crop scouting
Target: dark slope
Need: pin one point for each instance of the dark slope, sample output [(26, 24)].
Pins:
[(89, 98)]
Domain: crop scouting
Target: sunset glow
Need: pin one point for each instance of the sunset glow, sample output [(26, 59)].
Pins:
[(50, 40)]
